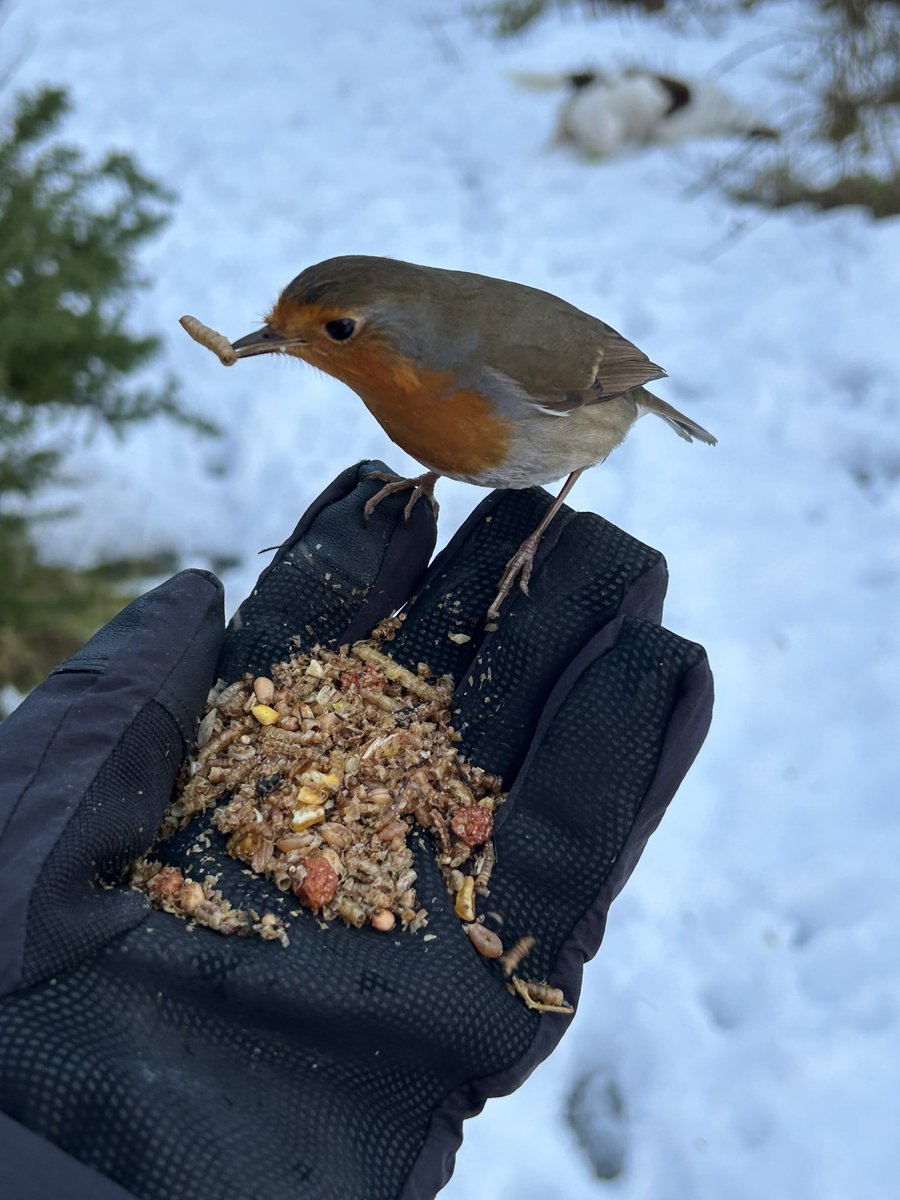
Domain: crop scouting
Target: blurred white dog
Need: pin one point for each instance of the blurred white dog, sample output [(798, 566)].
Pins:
[(608, 112)]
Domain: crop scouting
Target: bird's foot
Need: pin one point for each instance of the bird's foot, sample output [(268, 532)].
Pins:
[(422, 485), (518, 568), (520, 565)]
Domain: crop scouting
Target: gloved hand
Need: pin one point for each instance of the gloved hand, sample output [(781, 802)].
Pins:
[(141, 1058)]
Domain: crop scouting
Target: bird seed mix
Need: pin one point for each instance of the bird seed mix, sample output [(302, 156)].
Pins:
[(316, 776)]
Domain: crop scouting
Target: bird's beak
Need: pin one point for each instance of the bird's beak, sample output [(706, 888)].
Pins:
[(263, 341)]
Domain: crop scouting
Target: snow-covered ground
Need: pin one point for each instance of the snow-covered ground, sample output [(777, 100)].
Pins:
[(745, 1002)]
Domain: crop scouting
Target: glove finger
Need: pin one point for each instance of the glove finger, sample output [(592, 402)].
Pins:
[(586, 572), (334, 578), (617, 736), (87, 764), (445, 625)]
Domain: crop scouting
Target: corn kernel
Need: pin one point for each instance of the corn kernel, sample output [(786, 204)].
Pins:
[(319, 779), (264, 714), (308, 795), (304, 817), (465, 900)]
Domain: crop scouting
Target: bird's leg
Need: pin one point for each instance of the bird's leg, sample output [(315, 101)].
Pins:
[(521, 564), (422, 485)]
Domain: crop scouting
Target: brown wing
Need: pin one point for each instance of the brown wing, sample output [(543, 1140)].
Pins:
[(621, 367), (560, 358)]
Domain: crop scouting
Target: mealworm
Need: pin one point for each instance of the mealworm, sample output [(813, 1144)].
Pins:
[(541, 997), (483, 878), (398, 674), (211, 339), (516, 953)]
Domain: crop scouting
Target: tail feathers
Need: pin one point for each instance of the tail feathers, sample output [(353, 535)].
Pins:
[(683, 426)]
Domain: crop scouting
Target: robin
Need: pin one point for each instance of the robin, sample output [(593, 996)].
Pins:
[(479, 379)]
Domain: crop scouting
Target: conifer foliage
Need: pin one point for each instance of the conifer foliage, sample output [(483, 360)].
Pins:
[(70, 232)]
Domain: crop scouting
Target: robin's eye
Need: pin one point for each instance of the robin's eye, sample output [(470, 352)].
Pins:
[(340, 329)]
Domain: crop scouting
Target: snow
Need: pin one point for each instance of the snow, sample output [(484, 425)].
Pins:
[(745, 1001)]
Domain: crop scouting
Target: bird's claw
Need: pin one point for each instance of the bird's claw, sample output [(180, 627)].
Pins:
[(518, 568), (422, 485)]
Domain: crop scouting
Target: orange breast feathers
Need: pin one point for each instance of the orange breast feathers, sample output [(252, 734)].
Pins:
[(451, 432)]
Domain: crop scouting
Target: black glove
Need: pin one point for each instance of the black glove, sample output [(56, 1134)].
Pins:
[(183, 1064)]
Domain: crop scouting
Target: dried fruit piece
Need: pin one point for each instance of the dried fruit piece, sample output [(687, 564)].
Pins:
[(165, 884), (371, 679), (318, 884), (473, 824)]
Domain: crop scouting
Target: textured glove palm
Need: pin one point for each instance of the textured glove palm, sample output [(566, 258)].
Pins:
[(187, 1065)]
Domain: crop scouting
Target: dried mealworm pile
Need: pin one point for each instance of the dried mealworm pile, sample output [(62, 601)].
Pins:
[(316, 774)]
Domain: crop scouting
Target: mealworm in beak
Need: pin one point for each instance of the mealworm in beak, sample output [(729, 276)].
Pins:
[(211, 339)]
